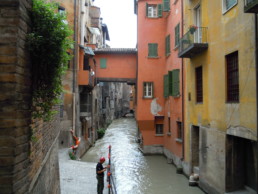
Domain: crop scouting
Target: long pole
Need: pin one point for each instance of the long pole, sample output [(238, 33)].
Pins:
[(109, 165)]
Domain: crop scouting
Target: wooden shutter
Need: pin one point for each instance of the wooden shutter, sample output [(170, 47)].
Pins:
[(165, 86), (175, 78), (177, 32), (149, 49), (170, 83), (103, 63), (152, 47), (160, 10), (166, 5), (167, 45)]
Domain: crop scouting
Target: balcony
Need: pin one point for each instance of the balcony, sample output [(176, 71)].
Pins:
[(251, 6), (193, 42)]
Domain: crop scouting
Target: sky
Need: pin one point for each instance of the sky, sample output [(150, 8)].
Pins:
[(120, 19)]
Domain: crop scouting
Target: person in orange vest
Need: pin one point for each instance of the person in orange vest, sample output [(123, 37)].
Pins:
[(77, 142)]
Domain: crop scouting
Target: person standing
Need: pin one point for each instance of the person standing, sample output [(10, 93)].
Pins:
[(100, 175)]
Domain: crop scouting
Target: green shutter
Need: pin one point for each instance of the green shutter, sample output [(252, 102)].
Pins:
[(146, 9), (103, 63), (165, 86), (170, 84), (177, 32), (149, 50), (166, 5), (152, 50), (160, 10), (155, 50), (167, 45), (175, 80)]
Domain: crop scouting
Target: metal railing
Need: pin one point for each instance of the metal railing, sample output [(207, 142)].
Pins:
[(194, 35), (110, 179)]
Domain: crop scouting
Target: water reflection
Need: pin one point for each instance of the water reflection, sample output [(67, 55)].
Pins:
[(135, 173)]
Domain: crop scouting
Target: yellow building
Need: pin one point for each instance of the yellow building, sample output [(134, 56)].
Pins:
[(220, 96)]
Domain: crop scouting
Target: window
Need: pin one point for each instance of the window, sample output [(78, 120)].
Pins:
[(167, 43), (103, 63), (232, 77), (159, 129), (179, 130), (153, 11), (86, 65), (166, 5), (177, 35), (166, 94), (174, 83), (228, 4), (199, 91), (147, 89), (152, 50)]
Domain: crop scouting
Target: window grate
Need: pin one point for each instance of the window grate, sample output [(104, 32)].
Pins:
[(199, 87), (232, 77)]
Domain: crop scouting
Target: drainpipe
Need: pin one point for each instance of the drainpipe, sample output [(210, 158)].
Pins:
[(74, 61), (183, 123), (256, 71)]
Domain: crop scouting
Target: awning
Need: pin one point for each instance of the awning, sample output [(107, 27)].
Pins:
[(94, 30), (88, 50)]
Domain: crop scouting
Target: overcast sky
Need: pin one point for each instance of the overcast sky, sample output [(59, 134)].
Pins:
[(120, 19)]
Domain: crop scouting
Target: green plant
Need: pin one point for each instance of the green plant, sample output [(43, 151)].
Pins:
[(101, 132), (48, 42), (72, 156)]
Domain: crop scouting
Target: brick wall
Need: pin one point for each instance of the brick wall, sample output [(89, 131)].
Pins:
[(25, 166)]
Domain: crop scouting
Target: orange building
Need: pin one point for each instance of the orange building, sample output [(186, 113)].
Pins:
[(159, 85)]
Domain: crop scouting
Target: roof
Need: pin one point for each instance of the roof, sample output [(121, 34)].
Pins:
[(115, 50)]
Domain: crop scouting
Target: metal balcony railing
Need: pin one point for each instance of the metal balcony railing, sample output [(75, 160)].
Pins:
[(193, 42), (251, 6)]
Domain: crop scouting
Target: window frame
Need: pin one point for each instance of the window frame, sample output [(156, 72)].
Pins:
[(159, 131), (179, 130), (150, 89), (232, 89), (153, 10), (224, 6)]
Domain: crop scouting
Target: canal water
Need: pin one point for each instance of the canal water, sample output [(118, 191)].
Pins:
[(133, 172)]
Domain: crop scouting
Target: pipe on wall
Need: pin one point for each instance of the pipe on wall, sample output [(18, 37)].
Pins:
[(74, 62), (183, 119)]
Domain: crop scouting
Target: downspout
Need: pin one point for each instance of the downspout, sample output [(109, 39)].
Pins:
[(256, 71), (74, 61), (183, 119)]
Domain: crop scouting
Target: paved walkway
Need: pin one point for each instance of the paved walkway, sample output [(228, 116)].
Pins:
[(76, 176)]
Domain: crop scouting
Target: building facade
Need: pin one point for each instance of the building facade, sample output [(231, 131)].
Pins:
[(218, 48), (160, 79)]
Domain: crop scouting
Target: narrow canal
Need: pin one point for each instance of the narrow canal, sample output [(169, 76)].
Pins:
[(135, 173)]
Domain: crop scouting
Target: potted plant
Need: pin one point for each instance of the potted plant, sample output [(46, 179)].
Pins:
[(192, 29)]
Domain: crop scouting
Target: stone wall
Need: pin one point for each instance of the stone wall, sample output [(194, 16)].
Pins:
[(25, 165)]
